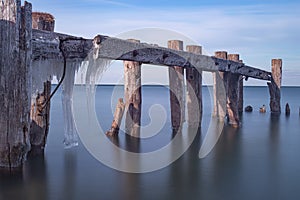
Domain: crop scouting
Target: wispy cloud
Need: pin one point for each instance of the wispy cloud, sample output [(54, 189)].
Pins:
[(110, 2), (258, 32)]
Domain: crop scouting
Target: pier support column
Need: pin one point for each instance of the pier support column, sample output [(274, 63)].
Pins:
[(133, 96), (176, 84), (15, 82), (274, 86), (219, 89), (194, 90), (40, 113), (241, 93), (232, 94)]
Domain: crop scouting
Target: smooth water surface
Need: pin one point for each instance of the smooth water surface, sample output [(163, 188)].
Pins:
[(260, 160)]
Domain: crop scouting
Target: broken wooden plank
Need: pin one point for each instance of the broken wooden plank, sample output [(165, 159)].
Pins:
[(118, 115), (46, 46)]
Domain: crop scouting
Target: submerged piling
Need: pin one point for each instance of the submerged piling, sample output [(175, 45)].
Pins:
[(15, 82), (133, 96), (219, 90), (118, 115), (40, 112), (232, 94), (194, 85), (275, 85), (176, 83)]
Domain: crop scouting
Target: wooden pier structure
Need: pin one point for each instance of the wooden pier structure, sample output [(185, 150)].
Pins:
[(27, 37)]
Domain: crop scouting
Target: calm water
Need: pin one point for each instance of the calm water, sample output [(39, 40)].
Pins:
[(260, 160)]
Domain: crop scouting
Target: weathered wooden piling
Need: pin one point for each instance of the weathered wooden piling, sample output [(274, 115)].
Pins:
[(287, 109), (274, 86), (118, 115), (133, 96), (40, 110), (232, 94), (43, 21), (176, 84), (194, 90), (15, 82), (219, 89), (241, 92)]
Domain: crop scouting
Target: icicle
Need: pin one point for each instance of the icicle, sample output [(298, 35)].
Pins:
[(70, 136), (95, 68)]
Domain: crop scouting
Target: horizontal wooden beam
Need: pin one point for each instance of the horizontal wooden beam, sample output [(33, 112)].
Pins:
[(48, 45)]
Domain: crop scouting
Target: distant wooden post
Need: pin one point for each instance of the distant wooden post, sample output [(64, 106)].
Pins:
[(232, 94), (220, 81), (15, 82), (40, 113), (133, 96), (194, 80), (241, 93), (274, 86), (176, 84)]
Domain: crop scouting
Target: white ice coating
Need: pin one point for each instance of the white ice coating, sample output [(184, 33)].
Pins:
[(70, 135), (45, 70)]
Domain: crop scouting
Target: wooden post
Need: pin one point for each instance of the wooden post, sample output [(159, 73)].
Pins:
[(176, 84), (219, 88), (15, 82), (43, 21), (241, 93), (133, 96), (40, 113), (274, 86), (118, 115), (232, 94), (194, 80), (287, 109)]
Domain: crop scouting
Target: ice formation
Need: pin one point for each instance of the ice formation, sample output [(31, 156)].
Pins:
[(71, 138), (90, 70)]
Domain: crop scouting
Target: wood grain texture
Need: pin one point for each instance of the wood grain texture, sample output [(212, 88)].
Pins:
[(176, 84), (275, 85), (232, 94), (118, 115), (219, 89), (40, 113), (15, 82), (133, 96), (194, 91), (46, 46)]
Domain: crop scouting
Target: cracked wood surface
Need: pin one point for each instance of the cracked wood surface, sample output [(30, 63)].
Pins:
[(46, 46)]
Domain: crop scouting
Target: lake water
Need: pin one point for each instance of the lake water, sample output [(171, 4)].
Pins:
[(260, 160)]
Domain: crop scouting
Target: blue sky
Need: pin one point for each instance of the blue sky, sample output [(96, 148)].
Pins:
[(257, 30)]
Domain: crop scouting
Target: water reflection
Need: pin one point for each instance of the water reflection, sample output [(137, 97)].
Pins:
[(184, 175), (70, 171), (28, 182)]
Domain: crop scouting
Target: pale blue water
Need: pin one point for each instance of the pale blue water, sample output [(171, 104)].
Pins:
[(260, 160)]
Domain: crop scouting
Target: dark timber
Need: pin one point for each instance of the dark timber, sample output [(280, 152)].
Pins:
[(194, 90), (40, 108), (15, 82), (176, 83), (133, 96)]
